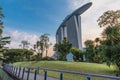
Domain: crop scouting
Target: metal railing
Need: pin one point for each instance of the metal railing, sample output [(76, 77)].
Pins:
[(17, 71)]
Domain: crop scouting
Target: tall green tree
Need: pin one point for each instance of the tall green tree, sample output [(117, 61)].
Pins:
[(43, 44), (111, 34), (94, 50), (98, 53), (45, 40), (109, 18), (40, 47), (89, 44), (1, 23), (63, 48), (3, 40)]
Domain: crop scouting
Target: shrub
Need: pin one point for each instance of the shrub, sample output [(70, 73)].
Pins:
[(77, 54), (17, 55)]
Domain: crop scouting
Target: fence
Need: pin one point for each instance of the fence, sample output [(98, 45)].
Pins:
[(4, 75), (17, 71)]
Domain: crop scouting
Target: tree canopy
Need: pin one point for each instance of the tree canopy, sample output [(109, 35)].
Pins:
[(3, 40), (111, 34), (63, 48)]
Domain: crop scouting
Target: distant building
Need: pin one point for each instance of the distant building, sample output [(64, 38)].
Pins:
[(71, 27)]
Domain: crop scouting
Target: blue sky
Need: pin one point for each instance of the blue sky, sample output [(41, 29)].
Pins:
[(39, 16), (28, 19)]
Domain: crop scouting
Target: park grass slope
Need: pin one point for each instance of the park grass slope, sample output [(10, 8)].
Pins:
[(91, 68)]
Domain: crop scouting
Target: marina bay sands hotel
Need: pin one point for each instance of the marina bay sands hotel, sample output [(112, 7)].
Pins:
[(71, 27)]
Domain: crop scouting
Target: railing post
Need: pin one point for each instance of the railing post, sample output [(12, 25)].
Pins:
[(35, 74), (19, 71), (3, 65), (61, 76), (88, 77), (16, 71), (28, 73), (45, 74), (38, 70), (23, 73), (10, 69), (13, 70)]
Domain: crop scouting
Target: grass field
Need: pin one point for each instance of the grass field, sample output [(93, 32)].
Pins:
[(91, 68)]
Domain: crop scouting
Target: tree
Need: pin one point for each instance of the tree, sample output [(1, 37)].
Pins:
[(94, 51), (97, 41), (28, 54), (3, 40), (63, 48), (40, 48), (98, 53), (24, 44), (89, 50), (111, 35), (1, 23), (44, 39), (109, 19), (77, 54), (17, 55), (43, 44)]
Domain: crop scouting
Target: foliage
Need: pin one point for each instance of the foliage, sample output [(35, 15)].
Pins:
[(111, 35), (94, 51), (43, 44), (1, 23), (36, 57), (89, 50), (63, 48), (3, 40), (77, 54), (47, 58), (17, 55), (27, 54), (109, 18), (24, 44)]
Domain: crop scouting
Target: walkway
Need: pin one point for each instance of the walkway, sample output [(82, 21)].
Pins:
[(39, 77)]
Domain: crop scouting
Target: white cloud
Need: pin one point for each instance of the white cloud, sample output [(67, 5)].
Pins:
[(52, 39), (17, 36), (74, 4), (90, 28)]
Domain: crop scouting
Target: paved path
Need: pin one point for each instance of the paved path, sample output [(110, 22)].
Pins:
[(39, 77)]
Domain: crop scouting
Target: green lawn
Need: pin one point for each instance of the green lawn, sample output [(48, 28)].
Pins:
[(92, 68)]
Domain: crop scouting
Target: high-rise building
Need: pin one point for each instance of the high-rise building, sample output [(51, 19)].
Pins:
[(71, 27)]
